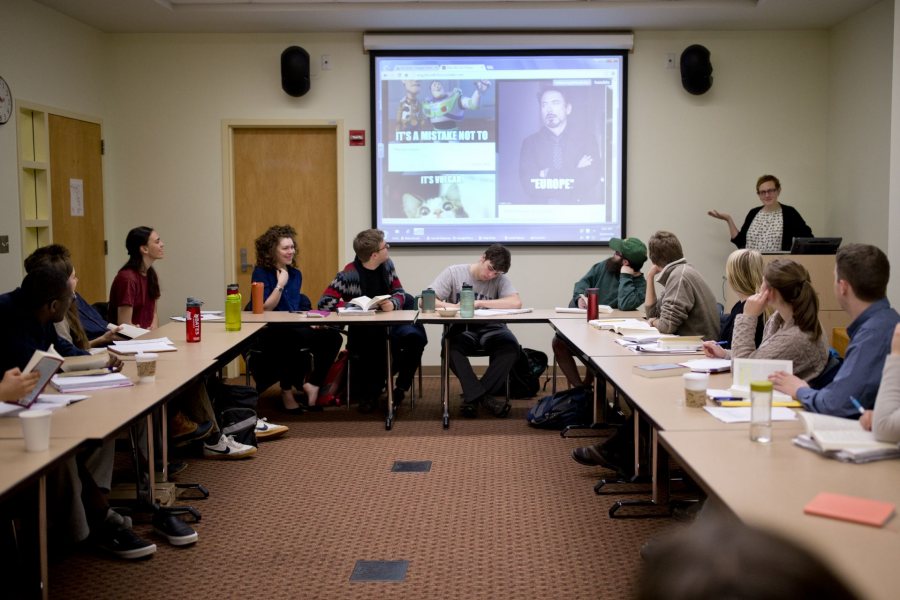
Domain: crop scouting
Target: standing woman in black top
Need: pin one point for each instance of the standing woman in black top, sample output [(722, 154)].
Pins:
[(770, 227)]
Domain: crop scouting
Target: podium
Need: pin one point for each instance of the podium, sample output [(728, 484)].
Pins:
[(821, 273)]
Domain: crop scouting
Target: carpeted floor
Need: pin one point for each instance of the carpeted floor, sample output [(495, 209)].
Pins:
[(503, 513)]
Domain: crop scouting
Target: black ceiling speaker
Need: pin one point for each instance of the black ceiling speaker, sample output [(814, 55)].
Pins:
[(696, 70), (295, 71)]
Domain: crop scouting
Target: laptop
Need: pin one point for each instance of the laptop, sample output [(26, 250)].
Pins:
[(815, 245)]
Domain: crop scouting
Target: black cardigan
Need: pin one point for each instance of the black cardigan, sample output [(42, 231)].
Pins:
[(794, 226)]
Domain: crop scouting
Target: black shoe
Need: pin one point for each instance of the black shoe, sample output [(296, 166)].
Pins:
[(124, 543), (469, 410), (174, 529), (399, 396), (499, 408), (595, 456)]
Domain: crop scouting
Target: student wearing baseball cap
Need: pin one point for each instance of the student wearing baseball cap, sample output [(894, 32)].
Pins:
[(620, 284)]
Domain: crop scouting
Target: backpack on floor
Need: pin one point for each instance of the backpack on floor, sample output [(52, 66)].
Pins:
[(525, 375), (333, 391), (235, 407), (564, 408)]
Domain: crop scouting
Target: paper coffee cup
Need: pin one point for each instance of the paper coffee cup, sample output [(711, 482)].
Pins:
[(695, 385), (36, 429), (146, 367)]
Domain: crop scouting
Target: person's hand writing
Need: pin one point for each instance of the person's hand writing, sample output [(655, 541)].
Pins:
[(719, 215), (582, 302), (713, 350), (15, 385), (786, 383), (866, 420), (585, 161)]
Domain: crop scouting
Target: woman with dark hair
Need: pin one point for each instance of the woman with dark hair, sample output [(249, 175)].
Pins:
[(135, 290), (770, 227), (792, 332), (276, 252)]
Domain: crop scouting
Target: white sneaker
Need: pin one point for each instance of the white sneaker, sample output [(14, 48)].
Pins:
[(266, 430), (226, 447)]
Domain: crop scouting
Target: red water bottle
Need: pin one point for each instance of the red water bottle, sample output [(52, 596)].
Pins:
[(593, 294), (192, 319)]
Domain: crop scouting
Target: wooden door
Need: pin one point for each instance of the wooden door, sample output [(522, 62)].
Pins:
[(287, 176), (76, 184)]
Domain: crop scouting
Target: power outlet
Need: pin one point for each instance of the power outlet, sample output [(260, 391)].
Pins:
[(326, 62), (671, 61)]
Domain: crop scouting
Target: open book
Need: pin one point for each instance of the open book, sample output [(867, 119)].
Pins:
[(46, 363), (128, 330), (843, 439), (366, 303)]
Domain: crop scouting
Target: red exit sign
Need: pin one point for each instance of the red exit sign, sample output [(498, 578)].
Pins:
[(357, 137)]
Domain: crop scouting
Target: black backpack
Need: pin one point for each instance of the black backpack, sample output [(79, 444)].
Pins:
[(525, 375), (568, 407), (235, 407)]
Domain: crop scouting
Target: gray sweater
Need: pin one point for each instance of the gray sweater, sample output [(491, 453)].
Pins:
[(782, 340), (687, 305), (886, 420)]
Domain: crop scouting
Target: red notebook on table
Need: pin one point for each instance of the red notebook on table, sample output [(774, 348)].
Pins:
[(850, 508)]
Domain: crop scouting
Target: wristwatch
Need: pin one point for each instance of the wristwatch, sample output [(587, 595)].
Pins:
[(279, 289)]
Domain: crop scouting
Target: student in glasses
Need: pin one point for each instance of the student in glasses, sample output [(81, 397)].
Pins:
[(372, 273), (492, 289), (770, 227)]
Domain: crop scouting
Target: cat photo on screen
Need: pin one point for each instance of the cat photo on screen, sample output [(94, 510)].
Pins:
[(446, 206)]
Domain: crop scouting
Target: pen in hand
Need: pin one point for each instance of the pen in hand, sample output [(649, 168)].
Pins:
[(857, 405)]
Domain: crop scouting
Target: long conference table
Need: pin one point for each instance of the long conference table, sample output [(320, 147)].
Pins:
[(762, 484), (108, 411)]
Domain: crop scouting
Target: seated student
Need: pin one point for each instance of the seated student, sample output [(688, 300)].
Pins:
[(83, 325), (744, 273), (132, 299), (792, 332), (77, 503), (492, 289), (884, 421), (372, 273), (620, 284), (723, 558), (861, 276), (276, 259), (687, 305)]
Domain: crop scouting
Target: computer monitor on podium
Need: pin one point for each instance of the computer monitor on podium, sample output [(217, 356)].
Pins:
[(815, 245)]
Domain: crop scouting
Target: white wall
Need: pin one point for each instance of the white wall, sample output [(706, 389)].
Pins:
[(163, 99), (50, 60), (858, 136)]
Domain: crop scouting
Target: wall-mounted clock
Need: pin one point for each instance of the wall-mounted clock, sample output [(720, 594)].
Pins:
[(6, 102)]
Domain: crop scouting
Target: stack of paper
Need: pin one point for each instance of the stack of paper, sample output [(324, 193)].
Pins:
[(131, 347), (708, 365), (90, 382)]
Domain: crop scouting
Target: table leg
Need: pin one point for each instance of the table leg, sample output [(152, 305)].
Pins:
[(445, 376), (151, 467), (42, 534), (389, 421)]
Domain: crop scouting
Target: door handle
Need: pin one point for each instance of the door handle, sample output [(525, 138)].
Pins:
[(244, 264)]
